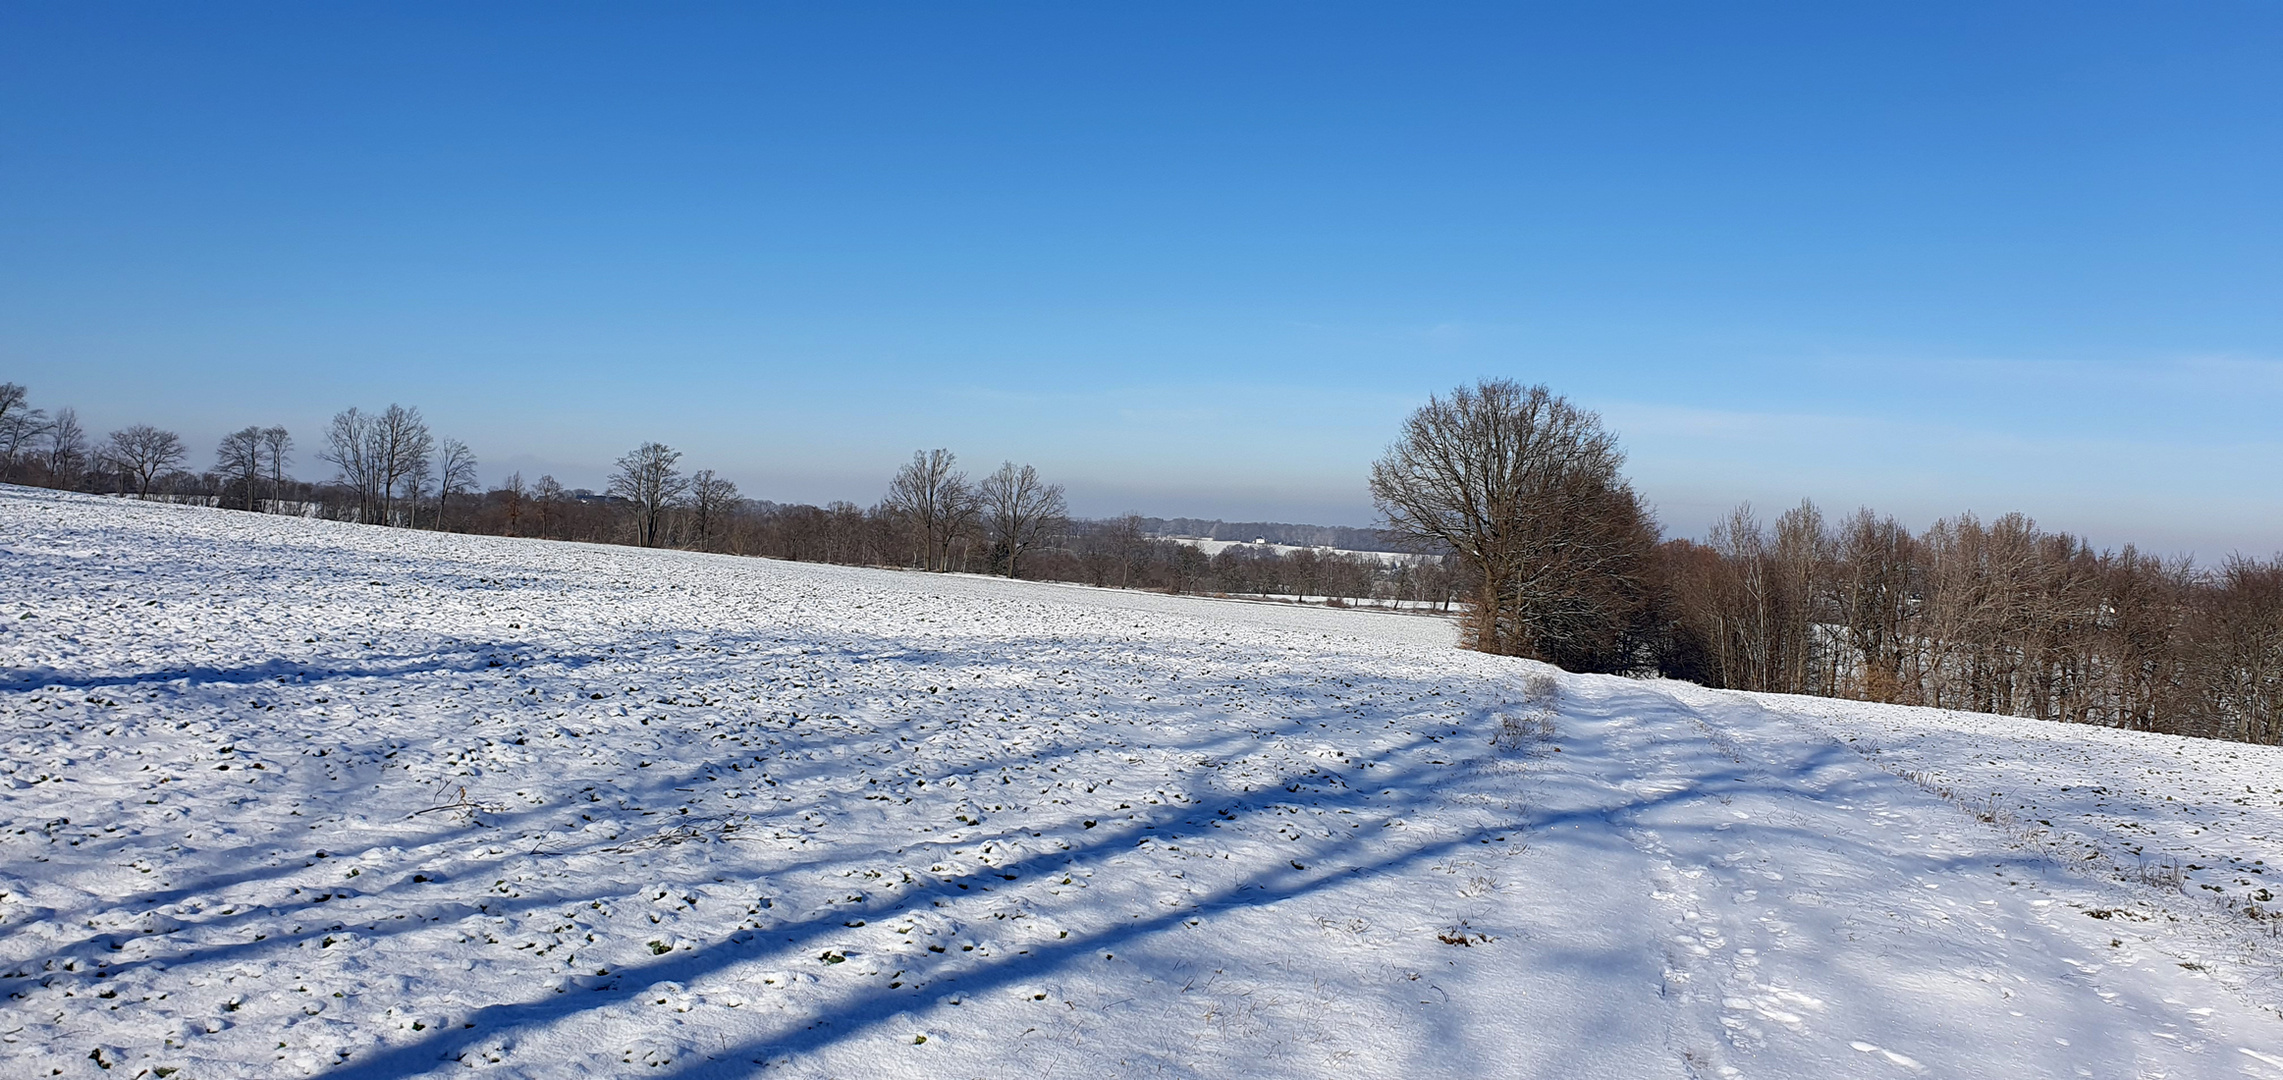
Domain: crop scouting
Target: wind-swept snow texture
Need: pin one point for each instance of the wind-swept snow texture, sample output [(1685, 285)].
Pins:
[(291, 797)]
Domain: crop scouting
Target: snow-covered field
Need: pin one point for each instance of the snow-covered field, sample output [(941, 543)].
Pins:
[(1215, 547), (286, 797)]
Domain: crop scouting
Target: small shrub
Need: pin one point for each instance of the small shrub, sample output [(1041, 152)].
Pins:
[(2165, 873)]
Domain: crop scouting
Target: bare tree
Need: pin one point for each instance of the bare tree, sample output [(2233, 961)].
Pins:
[(1303, 572), (402, 449), (547, 497), (647, 478), (455, 473), (143, 452), (1998, 616), (67, 447), (1020, 512), (711, 497), (1802, 555), (415, 487), (20, 424), (512, 497), (2146, 609), (932, 495), (1756, 607), (239, 460), (277, 452), (1127, 540), (1873, 591), (1525, 488), (2238, 651), (348, 448), (376, 454)]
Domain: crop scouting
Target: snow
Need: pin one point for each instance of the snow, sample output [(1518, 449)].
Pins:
[(1215, 547), (288, 797)]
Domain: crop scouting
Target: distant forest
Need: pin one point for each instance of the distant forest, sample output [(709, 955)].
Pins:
[(389, 467), (1512, 500), (1344, 537)]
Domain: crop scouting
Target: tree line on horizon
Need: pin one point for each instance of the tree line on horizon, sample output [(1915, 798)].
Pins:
[(1512, 499), (389, 468)]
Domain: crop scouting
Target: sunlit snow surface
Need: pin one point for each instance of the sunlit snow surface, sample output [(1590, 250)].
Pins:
[(724, 816)]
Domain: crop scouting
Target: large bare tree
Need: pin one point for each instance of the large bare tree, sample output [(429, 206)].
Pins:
[(514, 499), (1525, 488), (277, 452), (67, 447), (403, 450), (239, 460), (647, 478), (711, 498), (932, 495), (143, 452), (1020, 511), (348, 448), (547, 498), (1872, 590), (455, 473), (19, 425), (378, 454)]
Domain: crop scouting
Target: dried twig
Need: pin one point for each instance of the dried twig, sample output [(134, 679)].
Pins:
[(461, 803)]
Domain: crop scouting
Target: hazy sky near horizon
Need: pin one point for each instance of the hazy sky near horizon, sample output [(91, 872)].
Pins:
[(1188, 259)]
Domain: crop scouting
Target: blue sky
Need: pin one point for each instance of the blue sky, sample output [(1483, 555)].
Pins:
[(1188, 259)]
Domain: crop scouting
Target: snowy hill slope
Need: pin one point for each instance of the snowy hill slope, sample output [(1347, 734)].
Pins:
[(291, 797)]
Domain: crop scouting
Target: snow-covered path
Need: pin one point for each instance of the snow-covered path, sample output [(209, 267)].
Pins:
[(289, 797), (1816, 907)]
